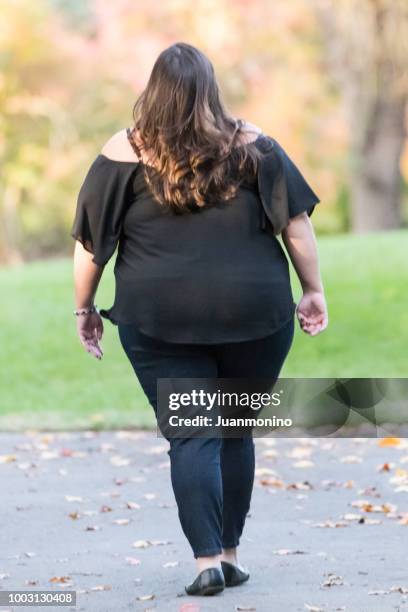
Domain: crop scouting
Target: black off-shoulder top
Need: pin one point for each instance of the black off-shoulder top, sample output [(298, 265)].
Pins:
[(213, 276)]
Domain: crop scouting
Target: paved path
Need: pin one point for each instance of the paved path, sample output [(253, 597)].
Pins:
[(328, 528)]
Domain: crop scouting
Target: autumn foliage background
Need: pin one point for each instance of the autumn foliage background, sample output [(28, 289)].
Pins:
[(70, 72), (327, 78)]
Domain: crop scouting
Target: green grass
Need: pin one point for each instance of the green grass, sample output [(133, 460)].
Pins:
[(47, 380)]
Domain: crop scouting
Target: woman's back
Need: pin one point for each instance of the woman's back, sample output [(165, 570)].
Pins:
[(207, 276)]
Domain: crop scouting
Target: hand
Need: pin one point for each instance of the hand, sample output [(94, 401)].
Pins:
[(312, 313), (90, 331)]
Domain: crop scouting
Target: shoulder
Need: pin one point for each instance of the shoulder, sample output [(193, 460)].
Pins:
[(249, 132), (118, 148), (251, 127)]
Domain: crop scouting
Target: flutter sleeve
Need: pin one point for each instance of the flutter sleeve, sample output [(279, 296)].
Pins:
[(101, 204), (283, 190)]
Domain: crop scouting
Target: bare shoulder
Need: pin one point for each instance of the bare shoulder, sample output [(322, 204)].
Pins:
[(250, 131), (251, 127), (118, 147)]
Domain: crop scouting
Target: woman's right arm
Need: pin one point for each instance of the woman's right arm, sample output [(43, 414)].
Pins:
[(87, 275), (300, 242)]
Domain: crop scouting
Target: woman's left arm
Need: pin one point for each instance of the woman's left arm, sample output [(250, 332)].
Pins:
[(300, 242), (87, 275)]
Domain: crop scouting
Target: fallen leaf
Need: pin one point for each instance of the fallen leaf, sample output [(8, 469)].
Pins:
[(370, 491), (302, 486), (270, 454), (264, 471), (92, 528), (121, 521), (60, 579), (351, 459), (132, 505), (119, 482), (349, 484), (400, 473), (101, 587), (132, 561), (303, 464), (331, 524), (7, 458), (299, 452), (145, 597), (49, 455), (170, 564), (333, 580), (399, 589), (369, 507), (150, 496), (389, 442), (74, 498), (352, 517), (272, 482), (385, 467), (119, 461), (141, 544), (287, 551)]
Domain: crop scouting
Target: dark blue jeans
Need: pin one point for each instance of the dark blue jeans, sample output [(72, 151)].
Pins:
[(212, 478)]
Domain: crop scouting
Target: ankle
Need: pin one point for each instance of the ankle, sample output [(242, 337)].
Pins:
[(204, 563), (229, 555)]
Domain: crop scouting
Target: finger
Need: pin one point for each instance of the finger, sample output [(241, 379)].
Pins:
[(315, 319), (95, 347), (301, 318), (85, 341), (98, 336), (92, 346), (306, 328), (319, 328), (313, 328), (96, 352), (323, 326)]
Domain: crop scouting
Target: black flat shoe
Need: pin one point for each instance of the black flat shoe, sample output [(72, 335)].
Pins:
[(233, 575), (208, 582)]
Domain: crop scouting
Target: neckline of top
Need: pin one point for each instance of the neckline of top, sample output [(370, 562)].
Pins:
[(139, 162)]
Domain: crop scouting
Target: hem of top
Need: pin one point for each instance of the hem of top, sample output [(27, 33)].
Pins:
[(95, 259), (105, 314)]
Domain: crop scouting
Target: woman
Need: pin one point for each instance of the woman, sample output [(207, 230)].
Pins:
[(194, 198)]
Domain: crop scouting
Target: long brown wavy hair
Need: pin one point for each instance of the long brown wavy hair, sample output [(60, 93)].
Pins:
[(183, 124)]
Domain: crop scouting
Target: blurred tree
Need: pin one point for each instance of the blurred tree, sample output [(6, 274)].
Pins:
[(54, 107), (367, 44), (70, 71)]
